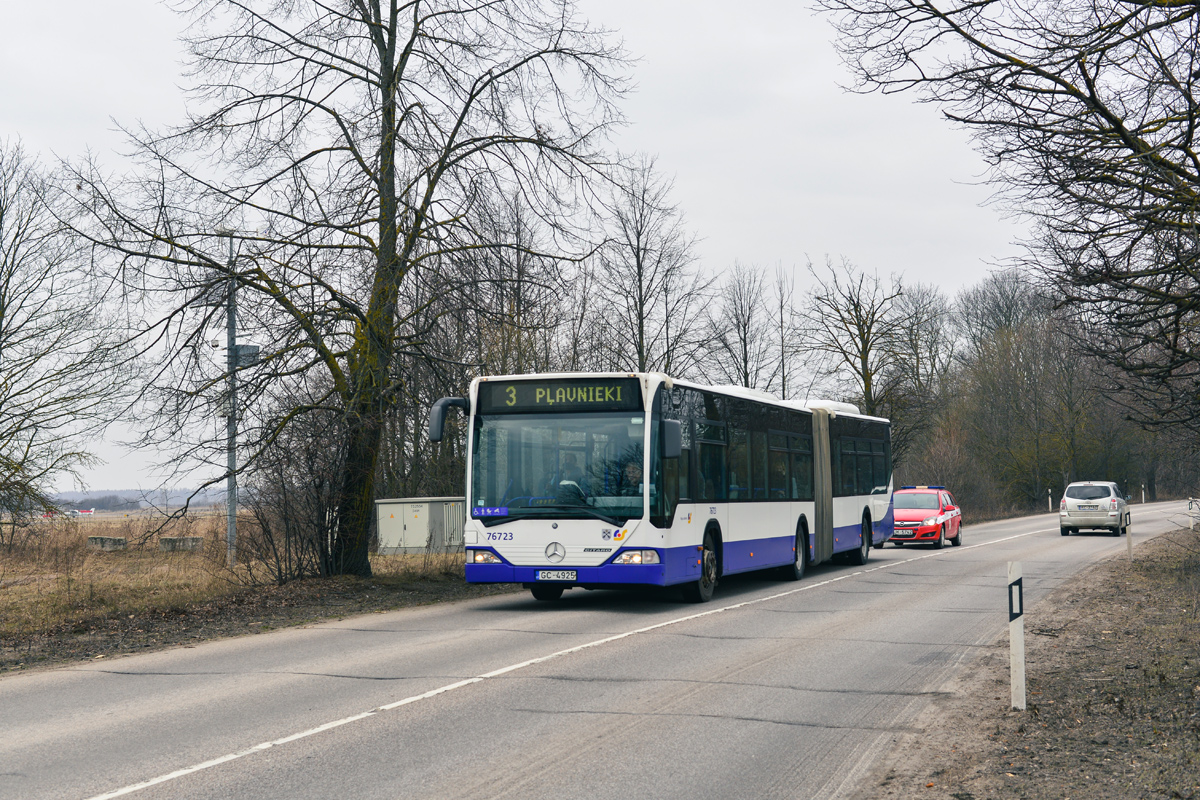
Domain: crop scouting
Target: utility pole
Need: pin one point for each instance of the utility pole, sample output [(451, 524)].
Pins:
[(231, 362)]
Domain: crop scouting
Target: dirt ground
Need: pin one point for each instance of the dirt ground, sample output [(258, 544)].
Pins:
[(1113, 681), (1113, 676)]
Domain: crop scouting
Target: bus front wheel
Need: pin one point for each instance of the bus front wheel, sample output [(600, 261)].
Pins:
[(701, 591)]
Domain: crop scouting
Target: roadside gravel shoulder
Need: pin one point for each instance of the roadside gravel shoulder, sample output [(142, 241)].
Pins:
[(1113, 681)]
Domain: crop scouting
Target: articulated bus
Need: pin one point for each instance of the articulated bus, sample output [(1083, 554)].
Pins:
[(613, 480)]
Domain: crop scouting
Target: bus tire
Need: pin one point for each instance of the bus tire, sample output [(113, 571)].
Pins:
[(701, 590), (859, 556), (795, 570), (546, 592)]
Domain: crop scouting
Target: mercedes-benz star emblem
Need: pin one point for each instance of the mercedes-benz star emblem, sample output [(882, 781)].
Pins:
[(555, 552)]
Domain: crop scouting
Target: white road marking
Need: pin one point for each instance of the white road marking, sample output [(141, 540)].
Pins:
[(170, 776)]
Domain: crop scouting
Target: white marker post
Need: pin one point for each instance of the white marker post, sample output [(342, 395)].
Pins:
[(1129, 537), (1016, 635)]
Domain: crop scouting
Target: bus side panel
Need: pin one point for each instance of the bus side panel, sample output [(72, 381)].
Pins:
[(746, 546), (848, 513), (882, 529), (847, 521), (750, 554)]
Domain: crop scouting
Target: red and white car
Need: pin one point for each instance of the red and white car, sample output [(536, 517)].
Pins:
[(926, 515)]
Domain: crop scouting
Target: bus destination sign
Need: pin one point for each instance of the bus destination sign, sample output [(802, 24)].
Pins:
[(585, 394)]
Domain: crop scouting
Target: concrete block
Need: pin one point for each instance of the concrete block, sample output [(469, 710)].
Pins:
[(108, 543), (170, 544)]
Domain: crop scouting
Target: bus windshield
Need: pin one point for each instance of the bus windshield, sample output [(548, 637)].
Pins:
[(562, 465)]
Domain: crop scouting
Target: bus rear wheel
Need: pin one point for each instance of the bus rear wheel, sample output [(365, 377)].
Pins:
[(859, 557), (546, 592), (795, 570), (701, 591)]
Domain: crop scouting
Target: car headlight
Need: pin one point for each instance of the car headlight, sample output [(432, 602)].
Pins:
[(928, 521), (483, 557), (637, 557)]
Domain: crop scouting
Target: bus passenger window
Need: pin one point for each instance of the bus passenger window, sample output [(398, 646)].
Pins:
[(711, 480), (846, 461), (758, 458), (779, 475), (739, 464), (802, 477), (865, 483)]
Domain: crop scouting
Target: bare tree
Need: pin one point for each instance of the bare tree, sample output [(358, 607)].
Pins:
[(1087, 111), (787, 338), (513, 294), (925, 348), (851, 320), (58, 351), (653, 295), (744, 352), (1004, 299), (918, 376), (583, 345), (351, 144)]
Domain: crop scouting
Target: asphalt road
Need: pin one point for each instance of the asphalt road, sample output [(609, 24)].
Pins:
[(773, 689)]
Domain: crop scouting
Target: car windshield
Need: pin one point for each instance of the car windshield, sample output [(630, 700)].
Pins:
[(926, 500), (1087, 492), (558, 465)]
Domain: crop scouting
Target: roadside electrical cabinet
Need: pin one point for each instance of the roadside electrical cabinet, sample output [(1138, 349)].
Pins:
[(420, 524)]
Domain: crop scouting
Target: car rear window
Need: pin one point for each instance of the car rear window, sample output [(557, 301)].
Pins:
[(927, 500), (1087, 492)]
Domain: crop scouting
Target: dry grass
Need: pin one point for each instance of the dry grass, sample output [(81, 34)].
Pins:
[(54, 580)]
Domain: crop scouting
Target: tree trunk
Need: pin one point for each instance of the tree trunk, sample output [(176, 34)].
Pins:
[(351, 546)]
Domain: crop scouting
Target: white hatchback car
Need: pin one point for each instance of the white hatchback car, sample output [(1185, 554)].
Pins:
[(1095, 505)]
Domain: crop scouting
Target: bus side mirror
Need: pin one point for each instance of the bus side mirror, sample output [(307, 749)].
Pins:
[(437, 415), (672, 443)]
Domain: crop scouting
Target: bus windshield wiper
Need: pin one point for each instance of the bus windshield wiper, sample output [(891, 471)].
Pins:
[(597, 515), (561, 512)]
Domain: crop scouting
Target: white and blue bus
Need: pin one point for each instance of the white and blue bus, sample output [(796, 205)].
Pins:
[(612, 480)]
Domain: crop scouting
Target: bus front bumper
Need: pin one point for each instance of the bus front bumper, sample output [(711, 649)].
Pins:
[(605, 574)]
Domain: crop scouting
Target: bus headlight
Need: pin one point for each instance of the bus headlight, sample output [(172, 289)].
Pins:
[(483, 557), (637, 557)]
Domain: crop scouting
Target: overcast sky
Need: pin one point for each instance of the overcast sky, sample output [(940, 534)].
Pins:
[(773, 162)]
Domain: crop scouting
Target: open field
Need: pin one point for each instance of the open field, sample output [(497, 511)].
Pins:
[(62, 601)]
